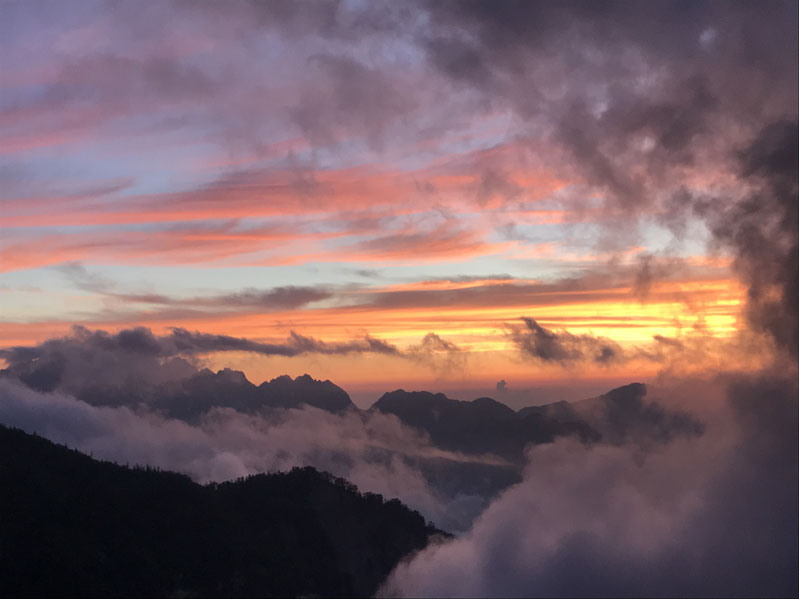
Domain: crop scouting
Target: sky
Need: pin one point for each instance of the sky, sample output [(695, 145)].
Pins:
[(527, 200), (532, 201)]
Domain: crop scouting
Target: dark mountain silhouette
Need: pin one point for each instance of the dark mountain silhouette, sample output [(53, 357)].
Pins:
[(74, 526), (483, 425), (283, 392), (195, 395), (480, 426), (199, 393), (627, 398), (488, 426), (622, 415), (190, 397)]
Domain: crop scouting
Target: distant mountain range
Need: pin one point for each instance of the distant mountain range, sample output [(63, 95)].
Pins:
[(97, 528), (190, 397), (481, 426), (74, 526), (485, 425)]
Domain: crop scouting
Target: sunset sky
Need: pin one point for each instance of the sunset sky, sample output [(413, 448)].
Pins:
[(420, 175)]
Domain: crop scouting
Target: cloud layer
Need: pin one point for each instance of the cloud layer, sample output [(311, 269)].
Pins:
[(714, 515), (372, 450), (99, 358)]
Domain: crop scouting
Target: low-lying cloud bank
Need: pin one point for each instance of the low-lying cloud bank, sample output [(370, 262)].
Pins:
[(373, 450), (687, 488), (714, 515)]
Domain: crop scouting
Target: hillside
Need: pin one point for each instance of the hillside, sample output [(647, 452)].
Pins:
[(74, 526)]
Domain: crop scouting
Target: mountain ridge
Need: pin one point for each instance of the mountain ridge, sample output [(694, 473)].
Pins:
[(102, 529), (480, 426)]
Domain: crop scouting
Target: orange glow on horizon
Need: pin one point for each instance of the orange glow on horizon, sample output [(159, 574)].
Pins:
[(708, 307)]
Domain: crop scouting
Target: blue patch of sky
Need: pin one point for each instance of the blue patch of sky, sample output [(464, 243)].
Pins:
[(693, 239)]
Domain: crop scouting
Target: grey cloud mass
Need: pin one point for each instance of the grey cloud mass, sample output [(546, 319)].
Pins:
[(87, 358), (656, 91), (704, 516), (100, 358), (763, 232), (543, 345)]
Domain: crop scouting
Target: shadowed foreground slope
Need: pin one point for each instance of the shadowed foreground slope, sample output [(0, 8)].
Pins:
[(72, 525)]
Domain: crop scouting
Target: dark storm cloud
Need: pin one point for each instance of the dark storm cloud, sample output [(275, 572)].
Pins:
[(543, 345), (760, 228), (498, 46), (86, 358), (520, 55), (629, 97), (763, 232), (635, 96)]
